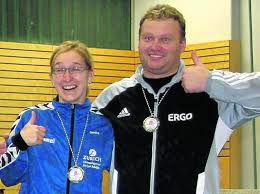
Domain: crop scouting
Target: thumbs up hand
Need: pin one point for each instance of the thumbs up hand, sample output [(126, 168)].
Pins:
[(195, 77), (33, 134)]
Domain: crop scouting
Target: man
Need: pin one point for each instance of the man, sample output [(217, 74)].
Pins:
[(164, 136)]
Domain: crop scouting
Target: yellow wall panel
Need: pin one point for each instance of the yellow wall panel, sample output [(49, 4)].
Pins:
[(216, 44), (25, 53), (25, 68), (12, 81), (207, 52), (224, 163), (26, 46), (112, 52)]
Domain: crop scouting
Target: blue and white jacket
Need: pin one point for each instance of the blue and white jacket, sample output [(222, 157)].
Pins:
[(43, 168)]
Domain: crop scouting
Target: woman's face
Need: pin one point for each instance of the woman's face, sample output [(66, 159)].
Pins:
[(70, 77)]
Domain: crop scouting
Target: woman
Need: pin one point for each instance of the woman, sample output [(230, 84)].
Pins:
[(60, 146)]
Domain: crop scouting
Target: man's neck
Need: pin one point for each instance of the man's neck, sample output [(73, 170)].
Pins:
[(157, 83)]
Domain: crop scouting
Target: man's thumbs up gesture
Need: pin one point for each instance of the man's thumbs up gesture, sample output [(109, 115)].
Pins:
[(33, 134), (194, 78)]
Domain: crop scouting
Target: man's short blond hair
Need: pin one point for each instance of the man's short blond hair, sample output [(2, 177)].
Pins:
[(161, 12)]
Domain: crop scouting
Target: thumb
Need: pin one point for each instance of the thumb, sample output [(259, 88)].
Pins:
[(32, 119), (5, 136), (195, 58)]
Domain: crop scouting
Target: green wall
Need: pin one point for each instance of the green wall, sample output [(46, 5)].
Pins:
[(98, 23)]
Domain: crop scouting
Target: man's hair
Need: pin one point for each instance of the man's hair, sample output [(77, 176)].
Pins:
[(76, 46), (161, 12)]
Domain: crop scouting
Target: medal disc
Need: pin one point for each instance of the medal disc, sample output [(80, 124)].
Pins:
[(151, 124), (75, 174)]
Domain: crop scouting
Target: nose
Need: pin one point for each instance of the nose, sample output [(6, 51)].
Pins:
[(156, 45), (67, 76)]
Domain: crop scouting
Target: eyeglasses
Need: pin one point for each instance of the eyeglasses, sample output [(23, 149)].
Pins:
[(60, 71)]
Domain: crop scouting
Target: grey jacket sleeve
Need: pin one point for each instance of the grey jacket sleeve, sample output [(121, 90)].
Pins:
[(237, 94)]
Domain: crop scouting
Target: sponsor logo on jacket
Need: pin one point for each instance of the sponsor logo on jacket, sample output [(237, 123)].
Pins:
[(123, 113), (179, 117), (92, 160), (49, 140)]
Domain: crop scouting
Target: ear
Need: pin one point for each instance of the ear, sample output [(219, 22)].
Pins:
[(90, 76), (51, 80), (183, 45)]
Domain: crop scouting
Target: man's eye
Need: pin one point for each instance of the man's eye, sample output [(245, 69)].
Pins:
[(165, 40), (148, 38)]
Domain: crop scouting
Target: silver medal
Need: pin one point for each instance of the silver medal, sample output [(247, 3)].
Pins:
[(75, 174), (151, 124)]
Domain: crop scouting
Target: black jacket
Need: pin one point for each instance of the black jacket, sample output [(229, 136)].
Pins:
[(176, 154)]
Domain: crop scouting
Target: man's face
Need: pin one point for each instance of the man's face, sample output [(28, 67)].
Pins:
[(160, 47)]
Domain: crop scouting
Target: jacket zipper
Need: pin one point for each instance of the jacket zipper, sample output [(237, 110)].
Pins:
[(154, 143), (71, 143)]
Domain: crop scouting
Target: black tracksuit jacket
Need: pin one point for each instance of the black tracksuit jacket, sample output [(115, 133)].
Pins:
[(174, 155)]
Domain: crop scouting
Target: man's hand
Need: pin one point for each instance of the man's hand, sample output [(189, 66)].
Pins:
[(33, 134), (195, 77), (3, 146)]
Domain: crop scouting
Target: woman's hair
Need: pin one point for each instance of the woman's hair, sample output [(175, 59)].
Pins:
[(76, 46)]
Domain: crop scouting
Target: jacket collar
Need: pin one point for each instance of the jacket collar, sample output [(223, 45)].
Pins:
[(177, 78)]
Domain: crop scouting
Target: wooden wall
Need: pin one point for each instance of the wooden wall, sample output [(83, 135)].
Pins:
[(24, 81)]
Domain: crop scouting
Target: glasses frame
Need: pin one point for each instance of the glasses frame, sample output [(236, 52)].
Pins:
[(61, 71)]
